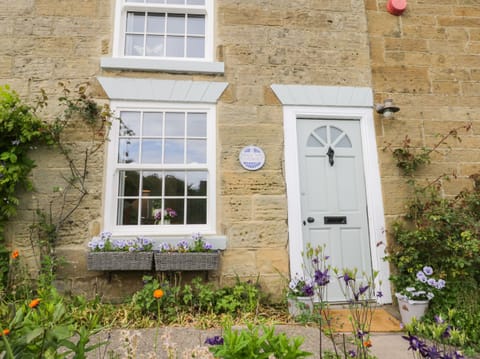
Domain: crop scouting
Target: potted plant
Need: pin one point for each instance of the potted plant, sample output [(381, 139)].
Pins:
[(193, 255), (107, 254), (413, 300), (167, 215), (300, 296)]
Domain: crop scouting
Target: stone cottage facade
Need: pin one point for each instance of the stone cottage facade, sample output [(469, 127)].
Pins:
[(198, 82)]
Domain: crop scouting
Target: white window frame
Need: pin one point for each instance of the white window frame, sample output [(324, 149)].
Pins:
[(169, 64), (111, 182)]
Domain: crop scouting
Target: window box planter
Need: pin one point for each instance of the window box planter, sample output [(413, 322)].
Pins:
[(120, 261), (187, 261)]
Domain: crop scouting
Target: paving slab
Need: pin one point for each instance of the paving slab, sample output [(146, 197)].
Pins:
[(142, 343)]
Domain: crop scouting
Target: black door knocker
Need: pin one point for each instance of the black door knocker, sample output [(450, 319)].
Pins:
[(330, 154)]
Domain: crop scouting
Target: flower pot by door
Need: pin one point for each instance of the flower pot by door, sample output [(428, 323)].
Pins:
[(300, 305), (412, 308)]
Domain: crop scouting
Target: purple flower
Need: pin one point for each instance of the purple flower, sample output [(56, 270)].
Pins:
[(207, 246), (346, 278), (440, 284), (322, 278), (361, 334), (352, 353), (428, 270), (432, 352), (216, 340), (379, 294), (308, 290), (182, 246), (415, 343), (432, 282), (363, 289), (422, 277), (439, 319), (447, 332)]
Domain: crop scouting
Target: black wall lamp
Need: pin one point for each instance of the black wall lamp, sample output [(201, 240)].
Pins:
[(387, 109)]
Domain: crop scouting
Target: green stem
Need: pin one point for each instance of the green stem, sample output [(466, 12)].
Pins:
[(8, 348)]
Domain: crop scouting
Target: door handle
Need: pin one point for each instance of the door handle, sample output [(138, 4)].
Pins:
[(310, 219)]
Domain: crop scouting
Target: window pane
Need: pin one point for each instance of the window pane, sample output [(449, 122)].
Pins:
[(196, 151), (344, 142), (195, 47), (152, 182), (136, 22), (152, 123), (174, 150), (175, 124), (176, 24), (195, 2), (197, 183), (134, 45), (322, 133), (175, 46), (334, 133), (156, 23), (128, 150), (148, 211), (155, 1), (130, 123), (175, 184), (154, 46), (177, 205), (152, 151), (196, 25), (196, 211), (128, 183), (196, 125), (127, 211)]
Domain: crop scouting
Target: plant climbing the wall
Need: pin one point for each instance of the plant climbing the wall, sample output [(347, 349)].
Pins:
[(21, 130)]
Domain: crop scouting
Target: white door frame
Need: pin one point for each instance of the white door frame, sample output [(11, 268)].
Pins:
[(376, 220)]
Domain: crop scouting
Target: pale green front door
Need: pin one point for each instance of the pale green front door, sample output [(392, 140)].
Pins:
[(332, 189)]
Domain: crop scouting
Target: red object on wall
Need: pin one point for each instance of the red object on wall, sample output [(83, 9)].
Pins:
[(396, 7)]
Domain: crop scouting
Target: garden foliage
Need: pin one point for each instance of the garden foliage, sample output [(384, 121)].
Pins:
[(442, 232)]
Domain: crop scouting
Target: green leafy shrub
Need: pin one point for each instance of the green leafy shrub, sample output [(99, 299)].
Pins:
[(441, 232), (45, 328), (20, 132), (254, 342)]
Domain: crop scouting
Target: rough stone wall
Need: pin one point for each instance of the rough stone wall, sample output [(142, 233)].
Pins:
[(261, 42), (428, 62)]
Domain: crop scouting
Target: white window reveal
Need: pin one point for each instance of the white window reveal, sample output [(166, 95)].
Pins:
[(161, 168), (170, 35)]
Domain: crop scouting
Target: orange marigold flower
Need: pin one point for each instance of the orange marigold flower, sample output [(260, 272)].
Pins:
[(34, 303), (15, 254), (5, 332), (367, 344), (158, 293)]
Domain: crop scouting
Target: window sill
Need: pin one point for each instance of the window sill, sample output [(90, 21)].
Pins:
[(162, 65)]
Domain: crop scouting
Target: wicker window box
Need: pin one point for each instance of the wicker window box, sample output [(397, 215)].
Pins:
[(120, 261), (189, 261)]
